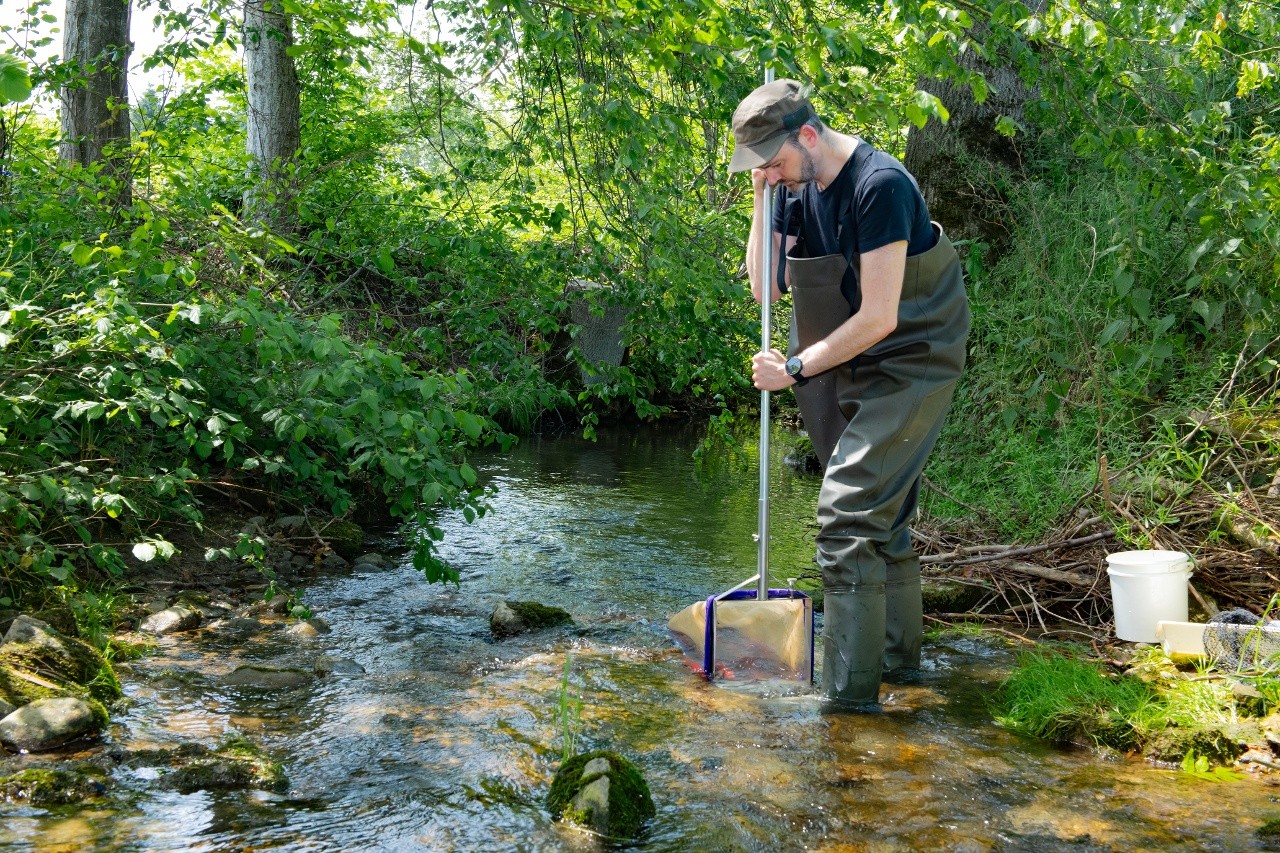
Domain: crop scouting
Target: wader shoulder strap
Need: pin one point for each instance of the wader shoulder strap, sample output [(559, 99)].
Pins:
[(847, 220), (789, 208)]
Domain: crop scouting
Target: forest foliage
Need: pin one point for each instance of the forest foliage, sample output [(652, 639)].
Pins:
[(461, 162)]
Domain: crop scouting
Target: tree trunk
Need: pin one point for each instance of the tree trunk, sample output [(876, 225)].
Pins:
[(274, 132), (95, 103), (956, 163)]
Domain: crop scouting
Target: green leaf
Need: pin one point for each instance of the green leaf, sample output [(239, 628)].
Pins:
[(15, 82)]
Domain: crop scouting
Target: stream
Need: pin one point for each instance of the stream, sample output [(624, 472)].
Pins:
[(449, 741)]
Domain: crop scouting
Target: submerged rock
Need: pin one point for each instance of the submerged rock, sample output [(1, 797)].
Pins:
[(50, 723), (268, 677), (235, 764), (604, 791), (510, 618), (172, 620), (53, 786)]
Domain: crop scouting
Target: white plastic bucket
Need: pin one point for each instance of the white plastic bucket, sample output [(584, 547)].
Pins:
[(1147, 562), (1147, 587)]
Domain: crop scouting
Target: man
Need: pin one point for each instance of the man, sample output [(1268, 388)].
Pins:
[(879, 321)]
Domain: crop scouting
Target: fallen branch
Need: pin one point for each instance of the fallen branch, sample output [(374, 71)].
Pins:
[(1047, 573), (1022, 552)]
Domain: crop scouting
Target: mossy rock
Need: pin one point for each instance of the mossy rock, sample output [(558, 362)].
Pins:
[(943, 596), (42, 670), (1270, 829), (234, 765), (53, 786), (346, 538), (1172, 744), (519, 617), (629, 802)]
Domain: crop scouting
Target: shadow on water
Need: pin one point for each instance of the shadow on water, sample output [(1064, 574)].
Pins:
[(448, 741)]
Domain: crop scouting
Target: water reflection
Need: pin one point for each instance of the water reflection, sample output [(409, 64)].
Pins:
[(448, 742)]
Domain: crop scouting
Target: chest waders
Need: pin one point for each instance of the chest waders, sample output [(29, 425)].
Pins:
[(873, 422)]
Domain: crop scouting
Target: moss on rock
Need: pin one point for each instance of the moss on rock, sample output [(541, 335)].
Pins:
[(1172, 744), (537, 616), (53, 786), (630, 802), (42, 670), (236, 763), (346, 538)]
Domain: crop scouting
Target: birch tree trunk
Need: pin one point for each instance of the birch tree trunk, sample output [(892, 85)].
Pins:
[(274, 132), (95, 102)]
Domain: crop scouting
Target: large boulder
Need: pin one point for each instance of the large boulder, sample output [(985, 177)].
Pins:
[(603, 791), (50, 723), (36, 662), (510, 618)]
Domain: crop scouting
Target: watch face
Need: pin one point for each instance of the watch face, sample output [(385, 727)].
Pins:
[(794, 366)]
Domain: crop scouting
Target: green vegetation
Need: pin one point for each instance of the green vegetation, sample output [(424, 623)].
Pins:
[(1066, 699), (1194, 719), (163, 348)]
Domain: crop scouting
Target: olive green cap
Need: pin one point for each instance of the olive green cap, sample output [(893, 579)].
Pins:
[(764, 120)]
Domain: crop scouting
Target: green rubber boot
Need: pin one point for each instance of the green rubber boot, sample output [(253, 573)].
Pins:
[(853, 647), (904, 619)]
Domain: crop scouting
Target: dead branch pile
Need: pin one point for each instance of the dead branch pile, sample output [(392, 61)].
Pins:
[(1217, 499)]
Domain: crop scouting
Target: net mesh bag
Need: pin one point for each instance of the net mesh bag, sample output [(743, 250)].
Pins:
[(1239, 640)]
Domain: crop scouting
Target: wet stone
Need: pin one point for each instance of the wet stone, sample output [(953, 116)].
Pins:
[(242, 626), (329, 665), (172, 620), (6, 709), (310, 628), (268, 677), (47, 724)]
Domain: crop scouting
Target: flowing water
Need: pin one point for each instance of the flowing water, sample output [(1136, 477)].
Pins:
[(449, 740)]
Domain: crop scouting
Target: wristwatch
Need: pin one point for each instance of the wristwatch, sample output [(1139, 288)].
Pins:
[(795, 368)]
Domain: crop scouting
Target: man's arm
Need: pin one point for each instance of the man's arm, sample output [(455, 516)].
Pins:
[(881, 283)]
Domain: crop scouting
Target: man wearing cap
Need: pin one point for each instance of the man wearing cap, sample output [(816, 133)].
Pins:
[(877, 344)]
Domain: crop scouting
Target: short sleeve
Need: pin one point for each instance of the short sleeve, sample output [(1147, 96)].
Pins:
[(886, 209), (779, 212)]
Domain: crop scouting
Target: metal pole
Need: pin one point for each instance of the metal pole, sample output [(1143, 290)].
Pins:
[(766, 335)]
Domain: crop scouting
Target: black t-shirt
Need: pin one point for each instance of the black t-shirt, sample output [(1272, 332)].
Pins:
[(887, 207)]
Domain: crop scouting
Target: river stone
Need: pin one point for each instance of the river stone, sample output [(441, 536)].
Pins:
[(44, 785), (6, 709), (333, 563), (941, 596), (268, 677), (28, 629), (510, 618), (346, 538), (171, 620), (48, 724), (372, 560), (36, 662), (604, 791), (329, 665), (243, 626), (309, 628)]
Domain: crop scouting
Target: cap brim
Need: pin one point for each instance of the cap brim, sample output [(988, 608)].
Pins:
[(754, 156)]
